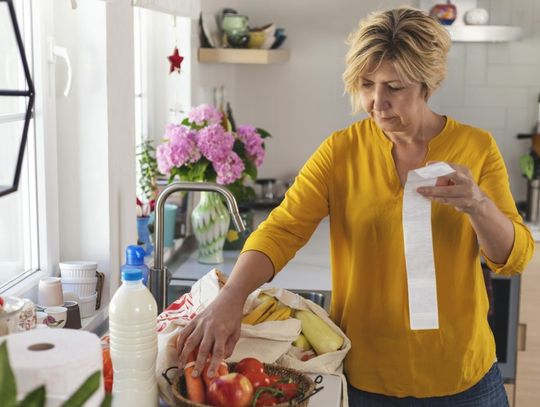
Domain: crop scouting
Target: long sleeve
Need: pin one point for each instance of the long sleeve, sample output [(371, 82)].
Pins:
[(494, 182)]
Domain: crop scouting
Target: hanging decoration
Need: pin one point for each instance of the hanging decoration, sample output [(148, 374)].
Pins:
[(176, 60)]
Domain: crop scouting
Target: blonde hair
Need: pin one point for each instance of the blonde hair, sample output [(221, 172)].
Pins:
[(414, 42)]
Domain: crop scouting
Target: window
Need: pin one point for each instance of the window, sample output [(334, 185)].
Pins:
[(18, 211)]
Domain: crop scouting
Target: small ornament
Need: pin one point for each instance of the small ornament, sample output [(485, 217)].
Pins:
[(446, 13), (176, 60)]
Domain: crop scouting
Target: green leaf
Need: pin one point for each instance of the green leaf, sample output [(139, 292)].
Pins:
[(107, 400), (197, 170), (8, 387), (251, 169), (36, 398), (186, 122), (526, 163), (263, 133), (240, 149), (84, 392)]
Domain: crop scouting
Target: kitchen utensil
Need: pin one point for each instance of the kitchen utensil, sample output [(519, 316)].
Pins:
[(50, 292), (40, 317), (56, 317), (73, 315), (77, 269), (27, 316), (9, 317), (533, 200)]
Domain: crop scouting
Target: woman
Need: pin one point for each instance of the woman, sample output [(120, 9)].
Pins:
[(396, 61)]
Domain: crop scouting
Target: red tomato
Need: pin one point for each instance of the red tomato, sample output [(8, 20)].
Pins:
[(290, 391), (266, 399), (274, 379), (230, 390), (258, 379), (249, 365)]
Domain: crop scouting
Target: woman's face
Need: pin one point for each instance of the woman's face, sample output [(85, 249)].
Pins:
[(395, 106)]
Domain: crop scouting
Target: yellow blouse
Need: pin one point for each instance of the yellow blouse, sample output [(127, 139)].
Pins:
[(352, 178)]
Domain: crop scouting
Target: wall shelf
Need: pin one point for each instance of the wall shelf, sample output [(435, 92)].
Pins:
[(242, 56), (484, 33)]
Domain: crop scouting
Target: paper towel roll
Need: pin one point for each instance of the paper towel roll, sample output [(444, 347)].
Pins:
[(60, 359)]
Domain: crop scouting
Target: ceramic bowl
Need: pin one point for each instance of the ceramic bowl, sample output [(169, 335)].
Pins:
[(256, 39), (278, 41), (270, 31)]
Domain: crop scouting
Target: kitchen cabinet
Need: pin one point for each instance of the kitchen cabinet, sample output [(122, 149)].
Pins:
[(528, 359), (243, 56)]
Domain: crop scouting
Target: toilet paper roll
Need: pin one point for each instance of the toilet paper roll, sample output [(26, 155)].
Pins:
[(60, 359), (421, 281)]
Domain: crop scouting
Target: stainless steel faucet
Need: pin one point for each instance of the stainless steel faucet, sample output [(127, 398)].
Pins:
[(158, 275)]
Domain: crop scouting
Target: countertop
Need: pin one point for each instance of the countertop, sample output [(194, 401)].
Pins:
[(309, 270)]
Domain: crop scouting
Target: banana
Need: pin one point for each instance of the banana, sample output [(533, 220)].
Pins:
[(302, 343), (260, 310), (268, 312), (263, 296), (280, 314)]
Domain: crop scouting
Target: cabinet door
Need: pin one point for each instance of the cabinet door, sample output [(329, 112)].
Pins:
[(528, 361)]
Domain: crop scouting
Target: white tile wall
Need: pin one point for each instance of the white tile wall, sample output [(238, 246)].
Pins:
[(493, 86), (499, 84)]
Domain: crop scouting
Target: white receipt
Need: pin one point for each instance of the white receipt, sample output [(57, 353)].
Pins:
[(421, 281)]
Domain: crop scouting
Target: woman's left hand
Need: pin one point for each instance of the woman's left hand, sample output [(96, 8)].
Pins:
[(458, 189)]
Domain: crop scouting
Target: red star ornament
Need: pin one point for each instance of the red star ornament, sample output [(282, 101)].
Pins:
[(176, 60)]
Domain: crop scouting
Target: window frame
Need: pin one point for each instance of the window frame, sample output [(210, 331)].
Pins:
[(39, 186)]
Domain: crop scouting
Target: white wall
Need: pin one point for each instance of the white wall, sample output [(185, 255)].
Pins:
[(494, 86), (95, 134)]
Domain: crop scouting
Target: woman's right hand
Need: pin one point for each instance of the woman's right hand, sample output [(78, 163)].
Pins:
[(215, 331)]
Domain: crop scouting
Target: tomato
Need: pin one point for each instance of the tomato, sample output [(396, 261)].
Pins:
[(266, 399), (290, 391), (249, 365), (258, 379), (230, 390), (274, 379)]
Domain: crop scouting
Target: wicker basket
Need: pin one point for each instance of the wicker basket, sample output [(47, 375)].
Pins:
[(305, 384)]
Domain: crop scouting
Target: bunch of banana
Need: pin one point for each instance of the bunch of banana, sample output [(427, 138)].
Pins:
[(269, 309)]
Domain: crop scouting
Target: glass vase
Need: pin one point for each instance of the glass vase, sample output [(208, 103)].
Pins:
[(210, 222)]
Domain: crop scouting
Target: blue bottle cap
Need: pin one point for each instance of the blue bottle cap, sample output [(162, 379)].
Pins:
[(135, 255), (132, 275)]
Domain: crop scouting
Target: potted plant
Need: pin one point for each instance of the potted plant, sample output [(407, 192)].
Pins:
[(204, 147)]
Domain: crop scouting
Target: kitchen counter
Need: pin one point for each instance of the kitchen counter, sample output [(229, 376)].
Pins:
[(309, 270)]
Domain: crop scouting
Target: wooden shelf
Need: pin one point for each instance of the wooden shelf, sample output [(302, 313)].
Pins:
[(484, 33), (242, 56)]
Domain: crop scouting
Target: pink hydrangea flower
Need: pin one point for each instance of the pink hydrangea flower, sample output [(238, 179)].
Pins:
[(163, 157), (180, 149), (204, 113), (215, 143), (229, 170), (253, 143)]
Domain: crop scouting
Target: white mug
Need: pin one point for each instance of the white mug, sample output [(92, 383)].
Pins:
[(50, 292), (41, 317), (56, 317)]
